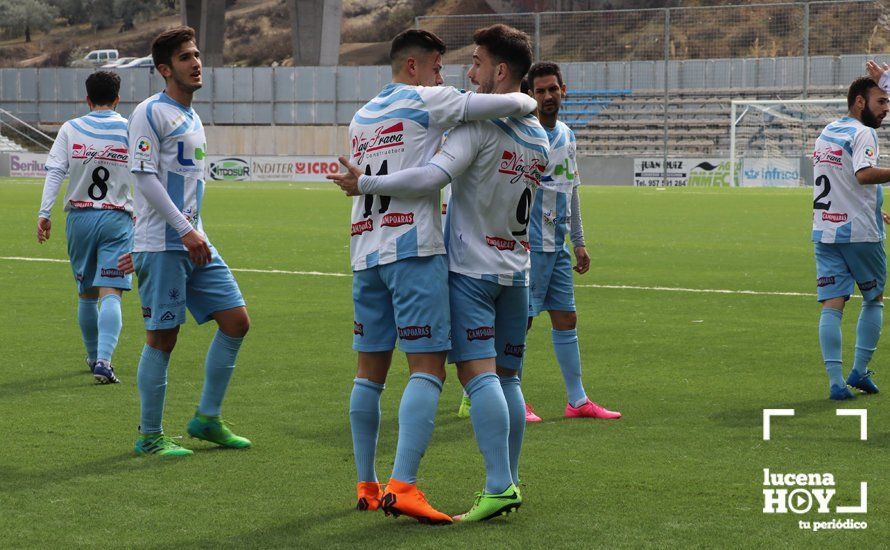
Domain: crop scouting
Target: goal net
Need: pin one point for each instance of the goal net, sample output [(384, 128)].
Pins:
[(771, 141)]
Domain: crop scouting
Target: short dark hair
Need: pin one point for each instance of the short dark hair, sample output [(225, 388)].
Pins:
[(166, 43), (544, 68), (524, 86), (103, 87), (415, 39), (859, 87), (507, 45)]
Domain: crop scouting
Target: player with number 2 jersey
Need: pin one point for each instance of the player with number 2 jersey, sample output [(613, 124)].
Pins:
[(848, 232)]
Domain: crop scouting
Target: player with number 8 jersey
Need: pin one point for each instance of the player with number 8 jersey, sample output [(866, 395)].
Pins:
[(92, 151)]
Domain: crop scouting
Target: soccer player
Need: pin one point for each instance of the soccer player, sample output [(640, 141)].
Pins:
[(848, 233), (555, 214), (92, 150), (177, 266), (494, 167), (400, 280)]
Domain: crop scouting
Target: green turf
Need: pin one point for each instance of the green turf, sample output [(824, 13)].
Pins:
[(691, 372)]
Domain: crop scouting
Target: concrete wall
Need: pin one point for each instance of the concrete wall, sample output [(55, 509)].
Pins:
[(277, 140)]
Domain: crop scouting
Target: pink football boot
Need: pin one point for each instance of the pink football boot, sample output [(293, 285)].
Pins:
[(590, 410), (530, 415)]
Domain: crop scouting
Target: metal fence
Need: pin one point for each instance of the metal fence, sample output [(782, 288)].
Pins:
[(664, 78)]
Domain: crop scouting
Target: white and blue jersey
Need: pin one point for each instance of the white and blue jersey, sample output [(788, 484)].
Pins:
[(92, 150), (844, 211), (495, 167), (167, 139), (400, 128), (551, 211)]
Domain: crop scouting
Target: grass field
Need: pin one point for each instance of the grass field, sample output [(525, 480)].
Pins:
[(690, 371)]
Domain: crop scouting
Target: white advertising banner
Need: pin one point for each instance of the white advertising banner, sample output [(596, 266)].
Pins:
[(770, 172), (27, 165), (681, 172), (250, 168)]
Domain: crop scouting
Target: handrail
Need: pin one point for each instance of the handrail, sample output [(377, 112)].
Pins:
[(29, 126)]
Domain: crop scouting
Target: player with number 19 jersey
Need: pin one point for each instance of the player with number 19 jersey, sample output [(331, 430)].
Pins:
[(400, 128), (844, 211)]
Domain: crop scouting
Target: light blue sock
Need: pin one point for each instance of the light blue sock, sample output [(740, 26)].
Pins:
[(568, 355), (88, 318), (218, 368), (491, 424), (516, 407), (109, 326), (868, 331), (417, 414), (830, 339), (151, 378), (364, 418)]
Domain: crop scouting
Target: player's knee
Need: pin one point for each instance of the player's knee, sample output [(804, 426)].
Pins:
[(565, 320), (162, 340), (235, 326)]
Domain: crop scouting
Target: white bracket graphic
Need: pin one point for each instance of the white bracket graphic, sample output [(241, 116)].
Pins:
[(863, 421), (769, 413), (863, 501)]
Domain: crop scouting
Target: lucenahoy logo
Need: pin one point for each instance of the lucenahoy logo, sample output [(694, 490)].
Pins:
[(230, 169)]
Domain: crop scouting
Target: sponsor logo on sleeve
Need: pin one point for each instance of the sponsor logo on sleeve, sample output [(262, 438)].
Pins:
[(143, 149), (870, 152), (480, 333), (415, 332)]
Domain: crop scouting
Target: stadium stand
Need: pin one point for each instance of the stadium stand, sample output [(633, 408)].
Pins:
[(631, 122), (9, 146)]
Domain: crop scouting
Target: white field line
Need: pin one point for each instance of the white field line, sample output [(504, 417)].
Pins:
[(606, 287)]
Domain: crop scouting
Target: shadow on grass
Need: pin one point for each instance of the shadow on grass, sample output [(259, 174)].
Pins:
[(753, 418), (53, 382), (13, 479), (347, 528)]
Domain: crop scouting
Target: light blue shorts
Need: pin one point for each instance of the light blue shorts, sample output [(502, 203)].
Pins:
[(487, 320), (838, 266), (552, 287), (96, 239), (169, 283), (405, 300)]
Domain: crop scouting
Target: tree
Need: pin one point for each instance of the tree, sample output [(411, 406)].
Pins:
[(22, 16)]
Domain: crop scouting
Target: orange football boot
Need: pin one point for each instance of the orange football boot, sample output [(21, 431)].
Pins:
[(406, 499), (369, 495)]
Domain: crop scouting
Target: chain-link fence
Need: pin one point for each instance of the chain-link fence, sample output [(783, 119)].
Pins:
[(664, 79)]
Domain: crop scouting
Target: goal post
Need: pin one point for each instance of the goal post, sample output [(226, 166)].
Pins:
[(770, 139)]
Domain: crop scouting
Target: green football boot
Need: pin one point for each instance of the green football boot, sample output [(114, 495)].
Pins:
[(488, 506), (214, 430), (159, 444), (464, 410)]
